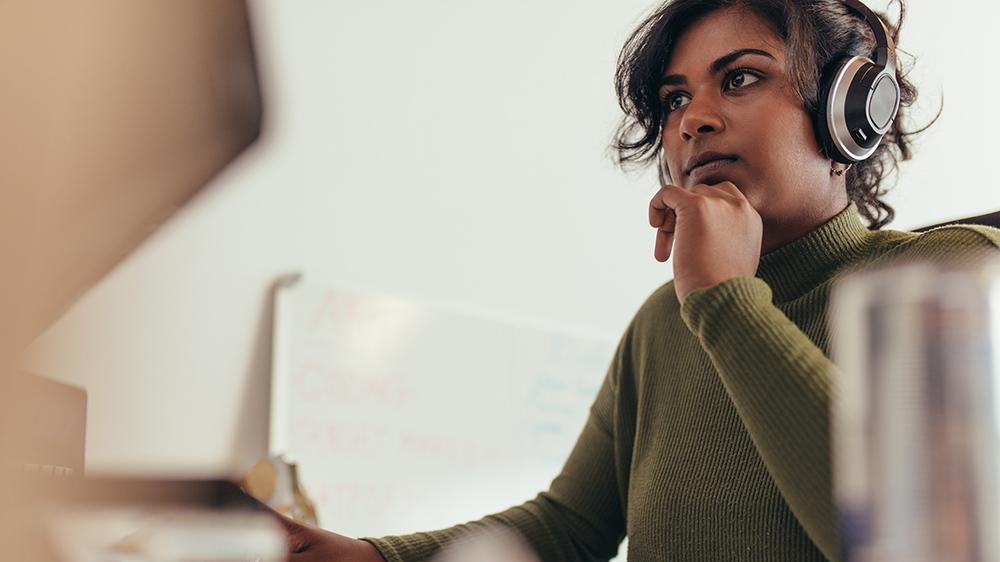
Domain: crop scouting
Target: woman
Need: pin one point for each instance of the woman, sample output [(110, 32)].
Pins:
[(709, 437)]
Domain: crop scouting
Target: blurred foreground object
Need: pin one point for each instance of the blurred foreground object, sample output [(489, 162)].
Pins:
[(494, 544), (114, 114), (112, 520), (915, 417), (45, 429), (275, 481)]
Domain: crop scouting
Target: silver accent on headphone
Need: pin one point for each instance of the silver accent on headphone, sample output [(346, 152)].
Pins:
[(837, 124), (883, 102)]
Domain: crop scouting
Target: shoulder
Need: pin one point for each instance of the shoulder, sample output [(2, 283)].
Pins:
[(661, 303), (980, 234), (957, 243), (951, 241), (659, 308), (656, 328)]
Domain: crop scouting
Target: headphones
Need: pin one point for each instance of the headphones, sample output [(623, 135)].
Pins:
[(858, 98)]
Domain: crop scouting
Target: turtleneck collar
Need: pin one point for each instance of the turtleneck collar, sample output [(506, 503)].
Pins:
[(795, 268)]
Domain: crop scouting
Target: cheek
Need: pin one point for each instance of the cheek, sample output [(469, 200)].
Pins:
[(668, 158), (790, 146), (782, 159)]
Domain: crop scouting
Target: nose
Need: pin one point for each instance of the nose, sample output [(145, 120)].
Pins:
[(701, 117)]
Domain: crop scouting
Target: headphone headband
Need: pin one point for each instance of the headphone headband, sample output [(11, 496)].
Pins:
[(885, 50), (858, 97)]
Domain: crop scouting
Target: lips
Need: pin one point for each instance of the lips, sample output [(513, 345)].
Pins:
[(706, 158), (711, 166)]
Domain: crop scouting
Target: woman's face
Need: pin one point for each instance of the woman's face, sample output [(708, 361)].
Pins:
[(752, 114)]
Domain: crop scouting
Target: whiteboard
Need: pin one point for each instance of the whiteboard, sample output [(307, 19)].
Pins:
[(406, 417)]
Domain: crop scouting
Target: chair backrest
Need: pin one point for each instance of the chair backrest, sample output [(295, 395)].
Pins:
[(989, 219)]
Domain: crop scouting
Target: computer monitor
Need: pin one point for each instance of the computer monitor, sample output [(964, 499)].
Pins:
[(114, 114), (44, 431)]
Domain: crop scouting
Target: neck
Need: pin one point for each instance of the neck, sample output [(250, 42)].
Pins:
[(803, 263), (780, 232)]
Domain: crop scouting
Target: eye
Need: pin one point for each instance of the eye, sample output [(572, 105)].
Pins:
[(675, 100), (741, 72)]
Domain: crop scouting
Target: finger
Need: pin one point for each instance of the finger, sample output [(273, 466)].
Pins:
[(708, 190), (656, 208), (661, 218), (297, 542), (728, 190), (728, 187), (664, 242), (298, 536), (657, 201), (291, 526), (673, 197), (669, 222), (656, 216)]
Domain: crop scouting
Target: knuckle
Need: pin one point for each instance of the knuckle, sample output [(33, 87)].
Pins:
[(700, 203)]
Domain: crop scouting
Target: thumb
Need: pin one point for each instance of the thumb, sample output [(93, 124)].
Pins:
[(300, 537)]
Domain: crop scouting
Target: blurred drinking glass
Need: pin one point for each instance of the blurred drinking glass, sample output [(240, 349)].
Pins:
[(914, 413)]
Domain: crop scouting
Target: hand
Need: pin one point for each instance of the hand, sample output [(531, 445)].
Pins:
[(714, 231), (309, 544)]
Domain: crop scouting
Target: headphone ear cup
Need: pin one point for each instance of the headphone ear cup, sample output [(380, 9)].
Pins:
[(824, 137), (858, 101)]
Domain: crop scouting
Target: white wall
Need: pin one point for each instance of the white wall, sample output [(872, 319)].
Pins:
[(445, 150)]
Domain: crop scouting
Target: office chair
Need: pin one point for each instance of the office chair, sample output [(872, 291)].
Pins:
[(989, 219)]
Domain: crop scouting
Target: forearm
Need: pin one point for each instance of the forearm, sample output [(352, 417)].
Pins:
[(779, 382), (579, 518), (547, 527)]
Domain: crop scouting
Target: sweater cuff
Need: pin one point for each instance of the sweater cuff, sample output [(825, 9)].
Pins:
[(385, 547), (703, 308)]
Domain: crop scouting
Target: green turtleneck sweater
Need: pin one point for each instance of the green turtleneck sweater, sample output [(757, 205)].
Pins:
[(709, 438)]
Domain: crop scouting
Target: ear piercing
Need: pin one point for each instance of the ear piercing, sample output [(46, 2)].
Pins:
[(841, 171)]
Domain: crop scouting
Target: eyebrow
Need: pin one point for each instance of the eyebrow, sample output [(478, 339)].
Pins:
[(717, 66)]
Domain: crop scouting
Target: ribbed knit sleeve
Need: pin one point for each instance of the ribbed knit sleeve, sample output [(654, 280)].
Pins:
[(580, 518), (709, 438), (779, 382)]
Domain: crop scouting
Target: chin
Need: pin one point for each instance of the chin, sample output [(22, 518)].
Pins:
[(712, 179), (742, 184)]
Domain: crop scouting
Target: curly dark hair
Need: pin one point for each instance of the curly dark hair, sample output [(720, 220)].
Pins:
[(815, 32)]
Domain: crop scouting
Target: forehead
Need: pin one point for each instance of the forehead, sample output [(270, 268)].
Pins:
[(718, 33)]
